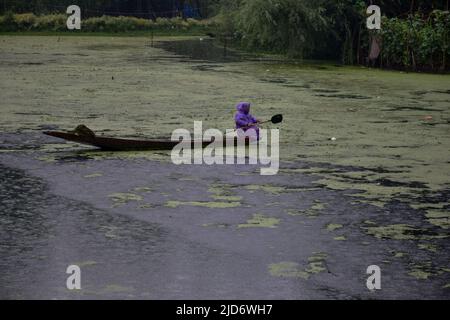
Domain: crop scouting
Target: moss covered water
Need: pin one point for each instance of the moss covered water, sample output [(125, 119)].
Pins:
[(365, 153)]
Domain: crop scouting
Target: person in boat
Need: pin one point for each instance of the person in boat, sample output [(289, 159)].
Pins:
[(244, 120)]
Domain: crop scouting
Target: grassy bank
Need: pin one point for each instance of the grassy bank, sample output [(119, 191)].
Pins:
[(52, 24)]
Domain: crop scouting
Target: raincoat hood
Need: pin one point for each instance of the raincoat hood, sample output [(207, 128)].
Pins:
[(243, 107)]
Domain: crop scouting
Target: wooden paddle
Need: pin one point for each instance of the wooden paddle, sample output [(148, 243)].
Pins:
[(278, 118)]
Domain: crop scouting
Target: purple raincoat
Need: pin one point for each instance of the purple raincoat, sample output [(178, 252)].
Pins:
[(243, 118)]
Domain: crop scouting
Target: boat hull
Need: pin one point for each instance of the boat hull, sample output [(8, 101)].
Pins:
[(116, 144)]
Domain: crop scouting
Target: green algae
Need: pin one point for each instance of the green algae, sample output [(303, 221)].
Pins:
[(311, 212), (123, 198), (217, 225), (386, 131), (340, 238), (88, 263), (206, 204), (286, 269), (223, 192), (146, 206), (276, 190), (334, 226), (260, 221), (143, 189), (420, 274), (440, 218), (428, 246), (399, 254), (227, 198), (316, 263), (394, 231), (94, 175)]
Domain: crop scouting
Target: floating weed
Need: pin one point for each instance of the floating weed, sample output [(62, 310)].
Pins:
[(223, 192), (394, 231), (428, 246), (85, 263), (217, 225), (287, 270), (94, 175), (227, 198), (206, 204), (333, 226), (399, 254), (260, 221), (316, 264), (340, 238), (420, 272), (440, 218), (123, 198), (312, 212), (143, 189), (276, 190), (146, 206)]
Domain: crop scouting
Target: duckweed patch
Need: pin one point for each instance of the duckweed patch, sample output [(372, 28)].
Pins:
[(334, 226), (440, 218), (316, 264), (123, 198), (287, 270), (260, 221), (428, 246), (143, 189), (394, 231), (275, 190), (93, 175), (206, 204), (314, 211), (420, 273), (85, 263)]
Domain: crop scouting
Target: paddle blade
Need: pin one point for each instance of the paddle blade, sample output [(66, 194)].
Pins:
[(277, 119)]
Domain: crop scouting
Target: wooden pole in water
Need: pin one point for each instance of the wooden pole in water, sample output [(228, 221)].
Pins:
[(225, 46)]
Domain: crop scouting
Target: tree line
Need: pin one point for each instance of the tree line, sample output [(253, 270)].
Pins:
[(137, 8), (415, 34)]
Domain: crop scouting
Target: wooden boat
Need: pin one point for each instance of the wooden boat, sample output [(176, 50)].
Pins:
[(115, 144)]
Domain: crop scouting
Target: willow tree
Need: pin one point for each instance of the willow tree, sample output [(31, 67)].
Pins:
[(287, 26)]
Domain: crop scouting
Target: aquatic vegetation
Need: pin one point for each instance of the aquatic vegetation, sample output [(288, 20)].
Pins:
[(440, 218), (428, 246), (334, 226), (93, 175), (394, 231), (143, 189), (223, 192), (316, 264), (340, 238), (146, 206), (123, 198), (206, 204), (85, 263), (260, 221), (418, 272), (287, 270), (276, 190), (311, 212)]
